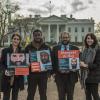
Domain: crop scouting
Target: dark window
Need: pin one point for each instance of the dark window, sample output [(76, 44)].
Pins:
[(89, 29), (75, 38), (75, 29), (82, 38), (60, 29), (82, 29), (69, 29)]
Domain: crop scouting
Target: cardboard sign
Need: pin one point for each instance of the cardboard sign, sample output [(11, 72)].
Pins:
[(21, 71), (19, 62), (68, 60), (40, 61), (35, 67)]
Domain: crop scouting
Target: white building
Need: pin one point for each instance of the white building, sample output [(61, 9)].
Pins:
[(53, 25)]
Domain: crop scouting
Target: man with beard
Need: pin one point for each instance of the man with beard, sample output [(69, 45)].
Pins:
[(44, 57), (17, 59), (66, 79), (37, 78), (74, 63)]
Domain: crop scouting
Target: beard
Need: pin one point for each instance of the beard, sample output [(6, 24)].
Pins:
[(44, 61), (65, 42), (74, 66), (38, 40)]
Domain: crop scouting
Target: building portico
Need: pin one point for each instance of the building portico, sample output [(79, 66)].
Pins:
[(77, 28), (53, 25)]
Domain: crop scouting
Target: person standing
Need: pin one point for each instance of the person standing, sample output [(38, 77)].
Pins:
[(37, 78), (90, 67), (11, 82), (66, 80)]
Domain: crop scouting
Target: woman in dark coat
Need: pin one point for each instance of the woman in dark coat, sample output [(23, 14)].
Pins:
[(10, 81), (90, 67)]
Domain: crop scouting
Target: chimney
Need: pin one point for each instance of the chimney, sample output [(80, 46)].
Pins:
[(30, 16), (71, 16), (37, 16), (63, 16)]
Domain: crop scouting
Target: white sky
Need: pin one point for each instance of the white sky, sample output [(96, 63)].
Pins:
[(91, 8)]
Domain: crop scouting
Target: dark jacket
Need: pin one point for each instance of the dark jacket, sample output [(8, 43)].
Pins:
[(31, 48), (73, 75), (18, 80), (94, 69)]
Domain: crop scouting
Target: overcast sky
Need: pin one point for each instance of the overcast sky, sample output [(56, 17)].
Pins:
[(79, 8)]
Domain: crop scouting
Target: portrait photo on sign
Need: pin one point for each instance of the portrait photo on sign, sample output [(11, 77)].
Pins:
[(74, 63), (44, 56), (45, 60), (17, 60)]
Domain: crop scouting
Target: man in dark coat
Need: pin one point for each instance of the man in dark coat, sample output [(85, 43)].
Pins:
[(65, 80), (37, 77)]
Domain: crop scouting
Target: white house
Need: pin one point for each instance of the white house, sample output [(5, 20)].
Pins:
[(53, 25)]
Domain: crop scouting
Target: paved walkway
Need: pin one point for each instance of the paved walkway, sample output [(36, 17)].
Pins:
[(52, 92)]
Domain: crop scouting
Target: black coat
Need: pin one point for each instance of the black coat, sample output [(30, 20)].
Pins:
[(94, 69), (72, 75), (5, 82)]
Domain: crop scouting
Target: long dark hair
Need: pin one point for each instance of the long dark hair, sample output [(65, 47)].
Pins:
[(92, 37)]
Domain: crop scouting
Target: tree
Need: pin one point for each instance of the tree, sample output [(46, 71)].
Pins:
[(97, 30), (5, 17), (3, 24)]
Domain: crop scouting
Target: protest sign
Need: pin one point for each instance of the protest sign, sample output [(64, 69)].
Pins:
[(40, 61), (68, 59), (18, 61)]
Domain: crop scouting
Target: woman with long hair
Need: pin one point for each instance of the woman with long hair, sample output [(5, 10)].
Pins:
[(90, 67), (9, 80)]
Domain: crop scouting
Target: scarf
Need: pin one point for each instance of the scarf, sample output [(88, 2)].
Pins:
[(87, 56)]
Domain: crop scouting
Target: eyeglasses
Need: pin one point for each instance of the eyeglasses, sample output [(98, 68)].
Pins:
[(65, 37)]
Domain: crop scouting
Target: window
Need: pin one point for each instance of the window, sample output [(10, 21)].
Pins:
[(89, 29), (82, 29), (60, 29), (75, 38), (82, 39), (69, 29), (75, 29)]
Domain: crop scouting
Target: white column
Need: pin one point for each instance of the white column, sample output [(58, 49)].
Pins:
[(40, 28), (57, 39), (49, 33)]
